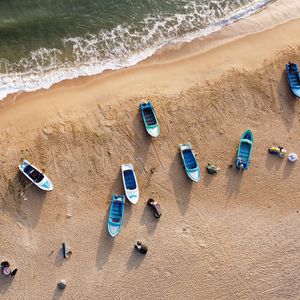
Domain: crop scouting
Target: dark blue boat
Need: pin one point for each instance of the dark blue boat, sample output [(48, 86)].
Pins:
[(190, 162), (150, 119), (245, 150), (293, 75), (116, 214)]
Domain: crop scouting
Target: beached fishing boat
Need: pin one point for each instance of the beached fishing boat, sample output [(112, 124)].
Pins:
[(116, 214), (36, 176), (130, 183), (245, 150), (293, 75), (150, 119), (190, 162)]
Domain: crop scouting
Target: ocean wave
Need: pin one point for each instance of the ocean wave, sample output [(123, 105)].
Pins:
[(120, 47)]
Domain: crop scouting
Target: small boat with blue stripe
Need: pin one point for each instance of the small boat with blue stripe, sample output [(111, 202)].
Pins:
[(293, 75), (36, 176), (190, 162), (130, 183), (150, 119), (116, 214), (245, 150)]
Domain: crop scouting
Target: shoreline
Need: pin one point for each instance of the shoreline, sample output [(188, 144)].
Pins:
[(255, 23), (144, 79)]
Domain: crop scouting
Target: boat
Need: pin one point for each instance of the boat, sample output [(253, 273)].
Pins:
[(130, 183), (150, 119), (116, 215), (293, 75), (190, 162), (245, 150), (36, 176)]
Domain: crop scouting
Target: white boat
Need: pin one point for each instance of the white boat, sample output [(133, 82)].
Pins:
[(36, 176), (130, 183)]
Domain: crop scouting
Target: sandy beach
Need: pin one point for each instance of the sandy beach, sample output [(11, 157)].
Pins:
[(231, 236)]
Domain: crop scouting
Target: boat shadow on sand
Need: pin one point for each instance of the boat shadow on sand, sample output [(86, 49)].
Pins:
[(287, 102), (24, 200), (182, 185), (234, 179), (142, 145)]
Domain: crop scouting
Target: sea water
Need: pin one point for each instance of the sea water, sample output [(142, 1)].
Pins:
[(45, 41)]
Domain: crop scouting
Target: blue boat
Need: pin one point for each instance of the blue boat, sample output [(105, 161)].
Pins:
[(190, 162), (36, 176), (116, 214), (150, 119), (245, 150), (293, 75)]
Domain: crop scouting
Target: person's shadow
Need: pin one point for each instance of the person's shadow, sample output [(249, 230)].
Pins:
[(148, 219), (57, 293), (135, 260), (288, 169), (5, 283), (273, 162)]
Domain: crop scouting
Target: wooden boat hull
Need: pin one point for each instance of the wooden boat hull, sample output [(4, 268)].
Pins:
[(245, 150), (44, 184), (116, 215), (130, 183), (149, 118), (190, 162), (293, 79)]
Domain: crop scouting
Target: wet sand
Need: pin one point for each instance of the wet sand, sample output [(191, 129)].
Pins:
[(232, 236)]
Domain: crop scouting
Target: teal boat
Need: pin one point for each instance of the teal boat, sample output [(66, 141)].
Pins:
[(245, 150), (293, 76), (116, 214), (190, 162), (150, 119)]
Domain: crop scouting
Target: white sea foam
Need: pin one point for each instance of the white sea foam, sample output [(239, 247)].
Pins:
[(121, 47)]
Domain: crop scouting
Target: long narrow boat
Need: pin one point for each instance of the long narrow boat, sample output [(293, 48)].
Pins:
[(245, 150), (36, 176), (150, 119), (130, 183), (190, 162), (293, 75), (116, 214)]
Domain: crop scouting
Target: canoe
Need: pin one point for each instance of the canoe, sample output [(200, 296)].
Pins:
[(130, 183), (190, 162), (293, 75), (36, 176), (150, 119), (245, 150), (116, 214)]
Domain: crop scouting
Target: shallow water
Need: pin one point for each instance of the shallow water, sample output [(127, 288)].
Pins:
[(43, 42)]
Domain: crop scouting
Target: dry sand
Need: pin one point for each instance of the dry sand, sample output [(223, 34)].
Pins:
[(232, 236)]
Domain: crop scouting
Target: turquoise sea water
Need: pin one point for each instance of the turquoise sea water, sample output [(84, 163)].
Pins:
[(46, 41)]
